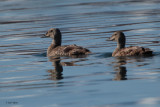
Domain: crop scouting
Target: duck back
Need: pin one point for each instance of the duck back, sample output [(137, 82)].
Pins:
[(133, 51), (68, 50)]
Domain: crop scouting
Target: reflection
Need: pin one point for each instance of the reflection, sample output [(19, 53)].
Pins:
[(119, 66), (121, 74), (56, 73), (120, 61)]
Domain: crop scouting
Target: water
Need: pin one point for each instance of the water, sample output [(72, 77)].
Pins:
[(29, 79)]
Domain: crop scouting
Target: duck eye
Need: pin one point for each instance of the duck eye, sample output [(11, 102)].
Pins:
[(51, 30)]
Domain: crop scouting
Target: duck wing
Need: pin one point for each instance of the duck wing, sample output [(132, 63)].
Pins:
[(68, 50), (76, 50), (134, 51)]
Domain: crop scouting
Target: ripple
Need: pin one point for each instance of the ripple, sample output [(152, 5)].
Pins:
[(27, 74)]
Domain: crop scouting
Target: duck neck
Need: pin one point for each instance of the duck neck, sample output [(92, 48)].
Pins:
[(121, 44), (55, 43), (58, 66)]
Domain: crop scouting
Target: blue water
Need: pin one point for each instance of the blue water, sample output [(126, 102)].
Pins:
[(30, 79)]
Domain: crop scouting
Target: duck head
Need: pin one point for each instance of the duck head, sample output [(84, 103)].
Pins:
[(117, 36), (53, 33)]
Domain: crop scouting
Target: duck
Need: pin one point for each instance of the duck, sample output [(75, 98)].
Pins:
[(121, 50), (57, 49)]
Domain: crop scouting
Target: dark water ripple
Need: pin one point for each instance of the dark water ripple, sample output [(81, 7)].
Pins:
[(27, 75)]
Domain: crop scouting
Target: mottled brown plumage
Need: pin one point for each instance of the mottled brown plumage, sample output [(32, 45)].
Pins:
[(121, 50), (67, 50)]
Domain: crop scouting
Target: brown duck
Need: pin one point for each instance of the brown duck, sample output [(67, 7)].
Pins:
[(56, 49), (121, 50)]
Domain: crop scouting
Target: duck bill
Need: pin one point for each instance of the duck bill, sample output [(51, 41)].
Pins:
[(44, 36), (109, 39), (112, 38)]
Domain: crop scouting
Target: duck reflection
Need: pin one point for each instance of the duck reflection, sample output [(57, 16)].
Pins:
[(121, 74), (119, 65), (56, 73), (120, 68)]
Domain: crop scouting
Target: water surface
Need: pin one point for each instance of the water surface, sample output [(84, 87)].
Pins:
[(29, 79)]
